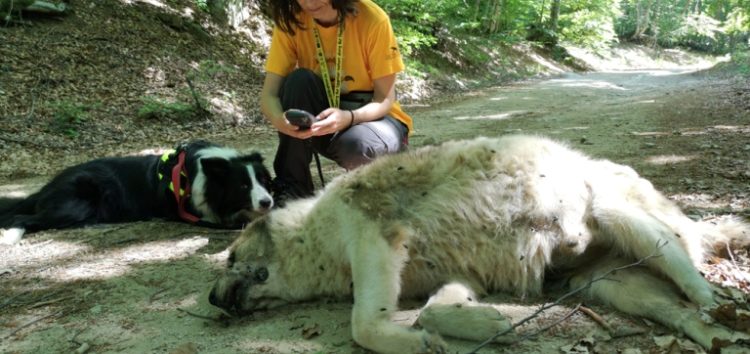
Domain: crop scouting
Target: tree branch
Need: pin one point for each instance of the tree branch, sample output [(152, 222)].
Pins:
[(559, 300)]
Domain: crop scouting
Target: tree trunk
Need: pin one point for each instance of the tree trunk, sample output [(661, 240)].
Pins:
[(540, 21), (496, 16), (487, 19), (642, 18), (554, 15)]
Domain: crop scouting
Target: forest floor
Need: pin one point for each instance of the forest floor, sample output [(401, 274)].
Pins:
[(137, 287), (129, 287)]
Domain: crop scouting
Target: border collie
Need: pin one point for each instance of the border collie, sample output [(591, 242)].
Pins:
[(198, 182)]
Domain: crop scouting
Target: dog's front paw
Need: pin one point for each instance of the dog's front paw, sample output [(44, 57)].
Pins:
[(11, 236), (476, 323), (432, 343)]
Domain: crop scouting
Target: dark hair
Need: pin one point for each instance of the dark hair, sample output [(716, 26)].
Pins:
[(284, 12)]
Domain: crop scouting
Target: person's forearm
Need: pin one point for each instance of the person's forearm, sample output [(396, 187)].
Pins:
[(372, 111), (271, 108)]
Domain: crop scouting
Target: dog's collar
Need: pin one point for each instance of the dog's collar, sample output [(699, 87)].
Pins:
[(177, 173), (179, 196)]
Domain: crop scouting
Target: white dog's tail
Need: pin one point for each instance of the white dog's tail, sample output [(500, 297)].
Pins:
[(723, 233)]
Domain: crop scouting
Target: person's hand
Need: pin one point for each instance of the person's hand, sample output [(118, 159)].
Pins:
[(292, 130), (330, 121)]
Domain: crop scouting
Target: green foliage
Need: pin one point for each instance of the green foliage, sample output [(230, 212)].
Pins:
[(742, 60), (589, 24), (209, 69), (202, 4), (179, 109), (698, 32), (67, 117), (415, 22), (708, 25), (155, 108), (410, 38), (715, 26), (738, 21)]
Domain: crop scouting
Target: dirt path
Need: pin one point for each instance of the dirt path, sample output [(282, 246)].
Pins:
[(129, 288)]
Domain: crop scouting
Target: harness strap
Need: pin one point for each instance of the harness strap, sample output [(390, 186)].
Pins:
[(182, 199)]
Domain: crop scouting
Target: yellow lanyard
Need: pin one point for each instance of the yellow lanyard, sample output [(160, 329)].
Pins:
[(334, 92)]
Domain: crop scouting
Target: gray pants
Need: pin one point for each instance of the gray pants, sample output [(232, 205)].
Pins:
[(349, 148)]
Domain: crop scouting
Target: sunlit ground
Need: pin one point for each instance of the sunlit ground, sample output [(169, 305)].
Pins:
[(637, 58), (669, 159), (583, 82), (71, 261), (496, 116)]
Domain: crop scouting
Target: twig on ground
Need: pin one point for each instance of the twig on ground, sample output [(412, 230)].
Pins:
[(49, 302), (545, 328), (731, 258), (559, 300), (228, 235), (13, 298), (198, 106), (32, 322), (112, 229), (200, 316), (46, 144), (154, 295), (594, 316), (73, 338)]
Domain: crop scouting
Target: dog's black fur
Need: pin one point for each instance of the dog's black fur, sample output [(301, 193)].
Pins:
[(227, 189)]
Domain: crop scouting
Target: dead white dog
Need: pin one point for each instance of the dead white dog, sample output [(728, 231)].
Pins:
[(490, 214)]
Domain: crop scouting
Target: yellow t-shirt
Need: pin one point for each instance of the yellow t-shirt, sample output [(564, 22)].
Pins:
[(370, 51)]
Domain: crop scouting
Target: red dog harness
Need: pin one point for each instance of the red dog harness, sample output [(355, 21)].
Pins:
[(181, 196)]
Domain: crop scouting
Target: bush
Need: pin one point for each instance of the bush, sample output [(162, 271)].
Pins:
[(155, 108), (67, 117)]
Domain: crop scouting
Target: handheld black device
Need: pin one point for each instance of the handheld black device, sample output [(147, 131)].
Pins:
[(300, 118)]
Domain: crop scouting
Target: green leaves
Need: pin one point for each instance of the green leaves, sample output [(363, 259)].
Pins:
[(709, 25), (67, 117)]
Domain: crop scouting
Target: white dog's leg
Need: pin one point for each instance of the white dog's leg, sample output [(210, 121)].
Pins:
[(638, 292), (638, 234), (454, 312), (376, 267), (11, 236)]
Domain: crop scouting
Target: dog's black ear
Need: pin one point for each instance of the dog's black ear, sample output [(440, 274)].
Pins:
[(253, 157), (215, 166)]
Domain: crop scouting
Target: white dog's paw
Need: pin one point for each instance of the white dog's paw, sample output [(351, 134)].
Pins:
[(432, 343), (11, 236), (477, 322), (700, 293)]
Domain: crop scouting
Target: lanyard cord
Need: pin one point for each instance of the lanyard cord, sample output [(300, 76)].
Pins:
[(333, 93)]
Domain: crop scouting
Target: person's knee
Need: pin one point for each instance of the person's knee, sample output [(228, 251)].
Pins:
[(299, 78), (299, 87), (353, 153)]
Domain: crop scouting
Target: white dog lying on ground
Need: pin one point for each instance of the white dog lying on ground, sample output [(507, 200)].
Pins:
[(482, 215)]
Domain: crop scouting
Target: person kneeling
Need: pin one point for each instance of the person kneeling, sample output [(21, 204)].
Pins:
[(351, 94)]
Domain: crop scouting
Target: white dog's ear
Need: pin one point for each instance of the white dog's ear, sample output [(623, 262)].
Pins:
[(255, 242)]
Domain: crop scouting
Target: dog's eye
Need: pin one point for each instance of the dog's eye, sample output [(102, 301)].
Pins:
[(230, 260), (261, 274)]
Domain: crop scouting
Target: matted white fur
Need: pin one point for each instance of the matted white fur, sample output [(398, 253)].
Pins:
[(489, 215)]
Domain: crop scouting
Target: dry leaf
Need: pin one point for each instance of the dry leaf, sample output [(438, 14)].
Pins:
[(310, 331), (186, 348)]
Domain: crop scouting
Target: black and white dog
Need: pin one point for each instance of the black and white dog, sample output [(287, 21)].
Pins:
[(198, 182)]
